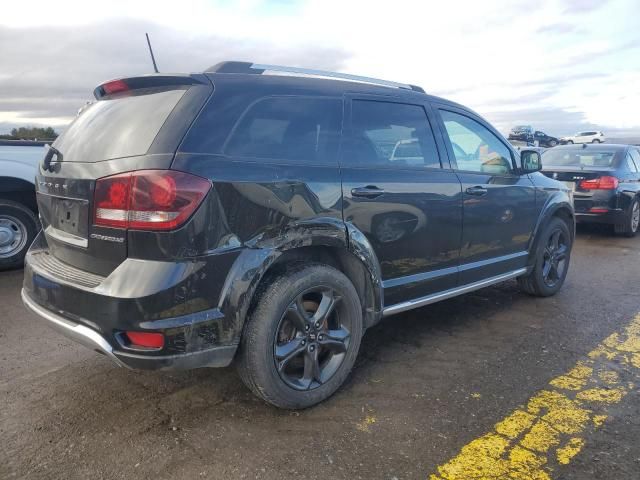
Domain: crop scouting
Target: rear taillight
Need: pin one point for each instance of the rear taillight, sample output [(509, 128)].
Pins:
[(148, 199), (600, 183)]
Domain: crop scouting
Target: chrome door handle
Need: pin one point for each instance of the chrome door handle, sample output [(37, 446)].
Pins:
[(477, 191), (370, 191)]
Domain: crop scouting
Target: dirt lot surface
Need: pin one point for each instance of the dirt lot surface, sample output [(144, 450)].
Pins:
[(426, 384)]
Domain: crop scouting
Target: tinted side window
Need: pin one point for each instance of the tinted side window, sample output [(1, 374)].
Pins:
[(475, 147), (291, 129), (390, 134)]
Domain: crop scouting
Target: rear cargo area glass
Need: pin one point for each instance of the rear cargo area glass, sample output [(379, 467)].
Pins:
[(122, 126)]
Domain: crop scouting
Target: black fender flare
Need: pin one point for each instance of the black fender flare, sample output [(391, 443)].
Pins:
[(261, 252), (558, 202)]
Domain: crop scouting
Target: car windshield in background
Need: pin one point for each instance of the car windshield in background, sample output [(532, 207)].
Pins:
[(578, 158)]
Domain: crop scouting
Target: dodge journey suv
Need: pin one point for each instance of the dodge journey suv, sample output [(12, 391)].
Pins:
[(267, 216)]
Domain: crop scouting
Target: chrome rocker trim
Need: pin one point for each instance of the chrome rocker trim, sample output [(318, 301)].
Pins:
[(453, 292)]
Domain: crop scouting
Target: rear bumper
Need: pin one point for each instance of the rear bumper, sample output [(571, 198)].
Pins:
[(610, 218), (178, 299), (76, 332), (220, 356)]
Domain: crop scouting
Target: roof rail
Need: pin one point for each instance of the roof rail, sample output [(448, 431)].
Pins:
[(258, 68)]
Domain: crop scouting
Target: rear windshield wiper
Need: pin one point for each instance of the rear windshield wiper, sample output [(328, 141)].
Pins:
[(49, 156)]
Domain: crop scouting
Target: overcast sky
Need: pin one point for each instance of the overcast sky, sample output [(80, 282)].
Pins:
[(560, 65)]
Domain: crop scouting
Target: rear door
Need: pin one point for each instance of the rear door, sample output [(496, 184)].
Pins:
[(499, 204), (399, 194), (135, 124)]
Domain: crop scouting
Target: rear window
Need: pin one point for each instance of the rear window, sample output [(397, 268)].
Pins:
[(290, 129), (123, 126), (578, 158)]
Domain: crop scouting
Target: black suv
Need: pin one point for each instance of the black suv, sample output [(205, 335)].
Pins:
[(269, 216), (544, 140)]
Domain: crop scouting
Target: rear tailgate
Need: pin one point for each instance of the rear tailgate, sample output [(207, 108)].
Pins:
[(136, 123)]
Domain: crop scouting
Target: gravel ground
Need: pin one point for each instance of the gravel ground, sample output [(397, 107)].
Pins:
[(426, 383)]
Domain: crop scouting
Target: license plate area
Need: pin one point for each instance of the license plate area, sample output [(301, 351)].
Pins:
[(69, 220)]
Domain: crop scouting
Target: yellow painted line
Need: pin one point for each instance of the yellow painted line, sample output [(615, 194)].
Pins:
[(549, 431)]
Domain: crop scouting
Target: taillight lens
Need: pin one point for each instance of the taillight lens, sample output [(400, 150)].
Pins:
[(148, 199), (601, 183)]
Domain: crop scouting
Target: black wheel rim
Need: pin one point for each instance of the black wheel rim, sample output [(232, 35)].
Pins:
[(312, 338), (555, 258)]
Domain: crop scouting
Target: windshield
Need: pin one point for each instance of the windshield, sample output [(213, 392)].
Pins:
[(578, 158), (118, 127)]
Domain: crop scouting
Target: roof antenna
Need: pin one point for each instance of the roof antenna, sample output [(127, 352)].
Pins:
[(153, 59)]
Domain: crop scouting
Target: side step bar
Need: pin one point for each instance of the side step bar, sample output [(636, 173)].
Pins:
[(453, 292)]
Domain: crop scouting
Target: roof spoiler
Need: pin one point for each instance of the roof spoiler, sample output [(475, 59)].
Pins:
[(260, 69), (146, 81)]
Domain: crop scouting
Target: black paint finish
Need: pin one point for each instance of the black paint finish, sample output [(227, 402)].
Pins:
[(398, 233)]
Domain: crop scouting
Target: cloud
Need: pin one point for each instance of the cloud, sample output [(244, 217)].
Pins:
[(557, 28), (576, 7), (49, 72), (505, 59)]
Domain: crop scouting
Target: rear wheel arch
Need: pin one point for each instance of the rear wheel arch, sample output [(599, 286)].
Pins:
[(254, 267), (341, 259)]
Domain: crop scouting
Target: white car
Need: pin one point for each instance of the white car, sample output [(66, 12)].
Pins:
[(585, 137)]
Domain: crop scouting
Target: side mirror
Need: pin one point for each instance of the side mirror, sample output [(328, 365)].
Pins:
[(531, 161)]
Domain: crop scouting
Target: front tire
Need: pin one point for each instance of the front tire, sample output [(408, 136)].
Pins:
[(302, 338), (18, 228), (551, 263), (632, 221), (552, 143)]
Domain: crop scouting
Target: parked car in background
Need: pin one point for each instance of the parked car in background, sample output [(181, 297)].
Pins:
[(521, 133), (544, 140), (590, 136), (214, 218), (18, 209), (604, 179)]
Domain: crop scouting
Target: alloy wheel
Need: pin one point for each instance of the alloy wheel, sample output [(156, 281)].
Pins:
[(13, 236), (555, 258), (312, 339)]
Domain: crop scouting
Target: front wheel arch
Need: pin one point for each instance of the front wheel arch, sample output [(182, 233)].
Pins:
[(563, 212)]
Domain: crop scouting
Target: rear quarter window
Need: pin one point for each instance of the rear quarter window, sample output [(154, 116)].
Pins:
[(288, 129)]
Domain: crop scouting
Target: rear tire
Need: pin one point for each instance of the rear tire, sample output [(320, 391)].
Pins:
[(569, 142), (552, 143), (631, 222), (295, 361), (595, 140), (551, 264), (18, 228)]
